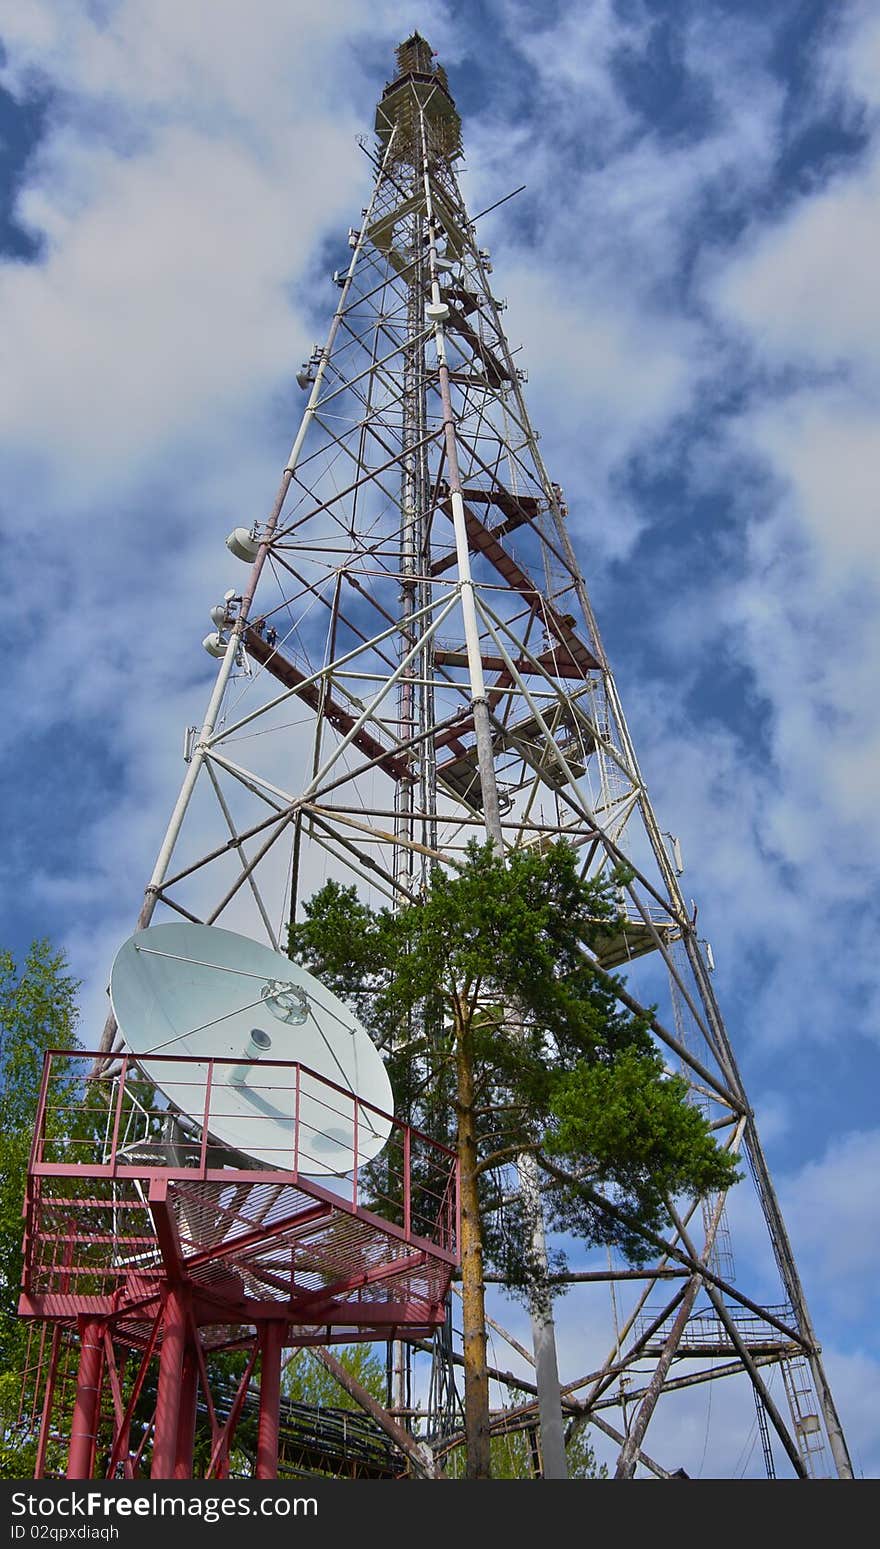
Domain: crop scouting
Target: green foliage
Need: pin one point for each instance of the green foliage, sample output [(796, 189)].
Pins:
[(37, 1012), (645, 1140), (306, 1381), (568, 1074), (514, 1456), (303, 1381)]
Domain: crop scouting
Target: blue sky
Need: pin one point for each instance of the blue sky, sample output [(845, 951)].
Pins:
[(691, 273)]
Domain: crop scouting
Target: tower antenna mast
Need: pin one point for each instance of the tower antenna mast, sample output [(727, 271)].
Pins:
[(422, 609)]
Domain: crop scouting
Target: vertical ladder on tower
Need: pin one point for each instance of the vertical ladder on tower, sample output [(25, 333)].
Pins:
[(805, 1418), (796, 1373)]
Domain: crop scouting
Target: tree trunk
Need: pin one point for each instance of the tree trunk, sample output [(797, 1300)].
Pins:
[(476, 1377)]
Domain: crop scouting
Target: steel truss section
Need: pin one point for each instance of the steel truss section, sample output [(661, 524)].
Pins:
[(423, 666)]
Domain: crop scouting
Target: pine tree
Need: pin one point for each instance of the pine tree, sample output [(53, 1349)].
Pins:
[(37, 1012), (489, 1010)]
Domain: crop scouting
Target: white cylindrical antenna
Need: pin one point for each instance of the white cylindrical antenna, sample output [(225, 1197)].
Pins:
[(256, 1048), (214, 644), (243, 545), (675, 842), (710, 957)]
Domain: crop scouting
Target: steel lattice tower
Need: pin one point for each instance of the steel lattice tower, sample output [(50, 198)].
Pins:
[(414, 661)]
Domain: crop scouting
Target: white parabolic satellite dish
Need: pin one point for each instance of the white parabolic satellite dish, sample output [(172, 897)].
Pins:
[(207, 993)]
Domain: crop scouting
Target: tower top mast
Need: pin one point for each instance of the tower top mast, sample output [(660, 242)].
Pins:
[(420, 83)]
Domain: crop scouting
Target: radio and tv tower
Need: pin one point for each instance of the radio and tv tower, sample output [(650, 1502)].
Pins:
[(409, 659)]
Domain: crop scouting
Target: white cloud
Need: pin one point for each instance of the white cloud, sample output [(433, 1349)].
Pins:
[(178, 202), (806, 288), (594, 353), (590, 255), (855, 1378), (833, 1213), (191, 165), (572, 63), (211, 57), (787, 845), (129, 345), (852, 60)]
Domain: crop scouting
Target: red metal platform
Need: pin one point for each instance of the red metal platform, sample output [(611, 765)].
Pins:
[(147, 1235)]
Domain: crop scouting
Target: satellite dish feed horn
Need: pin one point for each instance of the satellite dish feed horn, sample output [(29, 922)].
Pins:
[(209, 994), (259, 1043)]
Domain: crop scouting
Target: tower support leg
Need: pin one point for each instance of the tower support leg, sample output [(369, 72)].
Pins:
[(84, 1424), (48, 1397), (271, 1345), (555, 1464), (186, 1419), (168, 1394)]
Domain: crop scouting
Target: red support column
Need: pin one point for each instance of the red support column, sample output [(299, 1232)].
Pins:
[(84, 1425), (186, 1420), (271, 1345), (101, 1375), (48, 1397), (168, 1392)]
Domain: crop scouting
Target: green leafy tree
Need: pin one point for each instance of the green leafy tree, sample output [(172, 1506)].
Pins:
[(489, 1009), (515, 1454), (306, 1381), (37, 1012)]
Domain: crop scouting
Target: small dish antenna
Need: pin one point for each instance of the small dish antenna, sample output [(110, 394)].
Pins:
[(207, 993), (244, 544)]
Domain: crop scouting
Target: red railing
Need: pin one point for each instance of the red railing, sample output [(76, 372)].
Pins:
[(174, 1115)]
